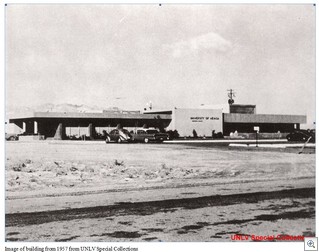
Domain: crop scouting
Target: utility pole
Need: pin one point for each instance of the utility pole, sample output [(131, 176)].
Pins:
[(231, 95)]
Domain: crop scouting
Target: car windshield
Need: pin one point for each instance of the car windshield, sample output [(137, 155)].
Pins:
[(152, 131)]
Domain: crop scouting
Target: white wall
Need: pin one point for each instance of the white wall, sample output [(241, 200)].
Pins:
[(204, 121), (224, 107), (12, 128)]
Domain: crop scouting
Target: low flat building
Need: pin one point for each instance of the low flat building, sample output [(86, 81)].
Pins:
[(245, 123), (54, 124), (241, 118), (204, 121)]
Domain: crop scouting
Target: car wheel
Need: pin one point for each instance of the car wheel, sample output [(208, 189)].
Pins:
[(11, 138), (107, 140), (119, 140), (146, 140)]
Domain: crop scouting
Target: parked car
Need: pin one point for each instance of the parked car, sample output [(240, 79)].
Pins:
[(12, 137), (302, 136), (118, 135), (149, 135)]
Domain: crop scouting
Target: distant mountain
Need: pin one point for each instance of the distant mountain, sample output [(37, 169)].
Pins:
[(49, 107), (66, 107)]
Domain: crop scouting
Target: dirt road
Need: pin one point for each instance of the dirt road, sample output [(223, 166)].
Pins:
[(95, 192)]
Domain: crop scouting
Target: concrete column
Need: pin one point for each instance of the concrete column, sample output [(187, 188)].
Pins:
[(24, 127), (59, 132), (35, 127), (91, 131)]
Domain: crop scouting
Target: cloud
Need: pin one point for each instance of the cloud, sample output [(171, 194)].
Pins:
[(206, 42)]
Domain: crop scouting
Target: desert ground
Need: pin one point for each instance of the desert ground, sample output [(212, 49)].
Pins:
[(92, 191)]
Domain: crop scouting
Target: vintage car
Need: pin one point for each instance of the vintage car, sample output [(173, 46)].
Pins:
[(302, 136), (12, 137), (118, 135), (149, 135)]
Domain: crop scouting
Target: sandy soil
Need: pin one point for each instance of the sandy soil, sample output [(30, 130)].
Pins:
[(47, 176)]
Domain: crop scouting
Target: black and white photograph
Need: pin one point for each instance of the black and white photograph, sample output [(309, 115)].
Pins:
[(160, 123)]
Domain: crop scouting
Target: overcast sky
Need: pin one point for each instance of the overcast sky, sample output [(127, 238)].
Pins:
[(173, 55)]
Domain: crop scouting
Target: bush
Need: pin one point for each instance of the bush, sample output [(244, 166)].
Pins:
[(173, 134)]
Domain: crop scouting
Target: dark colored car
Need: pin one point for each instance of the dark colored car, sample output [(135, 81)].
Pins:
[(149, 135), (302, 136), (118, 135)]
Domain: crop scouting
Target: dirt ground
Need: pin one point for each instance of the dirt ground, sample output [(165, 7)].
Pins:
[(48, 177)]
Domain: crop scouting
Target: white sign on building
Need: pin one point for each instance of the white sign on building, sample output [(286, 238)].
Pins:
[(203, 121)]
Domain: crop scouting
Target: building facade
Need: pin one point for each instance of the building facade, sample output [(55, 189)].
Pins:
[(203, 121)]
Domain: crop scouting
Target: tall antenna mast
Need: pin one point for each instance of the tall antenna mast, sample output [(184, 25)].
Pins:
[(231, 94)]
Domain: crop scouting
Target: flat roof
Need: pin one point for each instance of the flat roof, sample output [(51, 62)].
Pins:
[(107, 115), (228, 117), (243, 105), (263, 118)]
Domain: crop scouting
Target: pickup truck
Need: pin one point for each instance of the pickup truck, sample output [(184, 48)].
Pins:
[(149, 135)]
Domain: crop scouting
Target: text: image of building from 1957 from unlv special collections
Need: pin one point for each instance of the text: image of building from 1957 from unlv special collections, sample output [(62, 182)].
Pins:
[(159, 123)]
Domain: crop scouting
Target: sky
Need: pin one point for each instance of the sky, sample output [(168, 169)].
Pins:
[(173, 55)]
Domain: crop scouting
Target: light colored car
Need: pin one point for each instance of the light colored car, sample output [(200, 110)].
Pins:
[(12, 137)]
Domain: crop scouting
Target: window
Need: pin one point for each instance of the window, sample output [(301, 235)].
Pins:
[(152, 131)]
